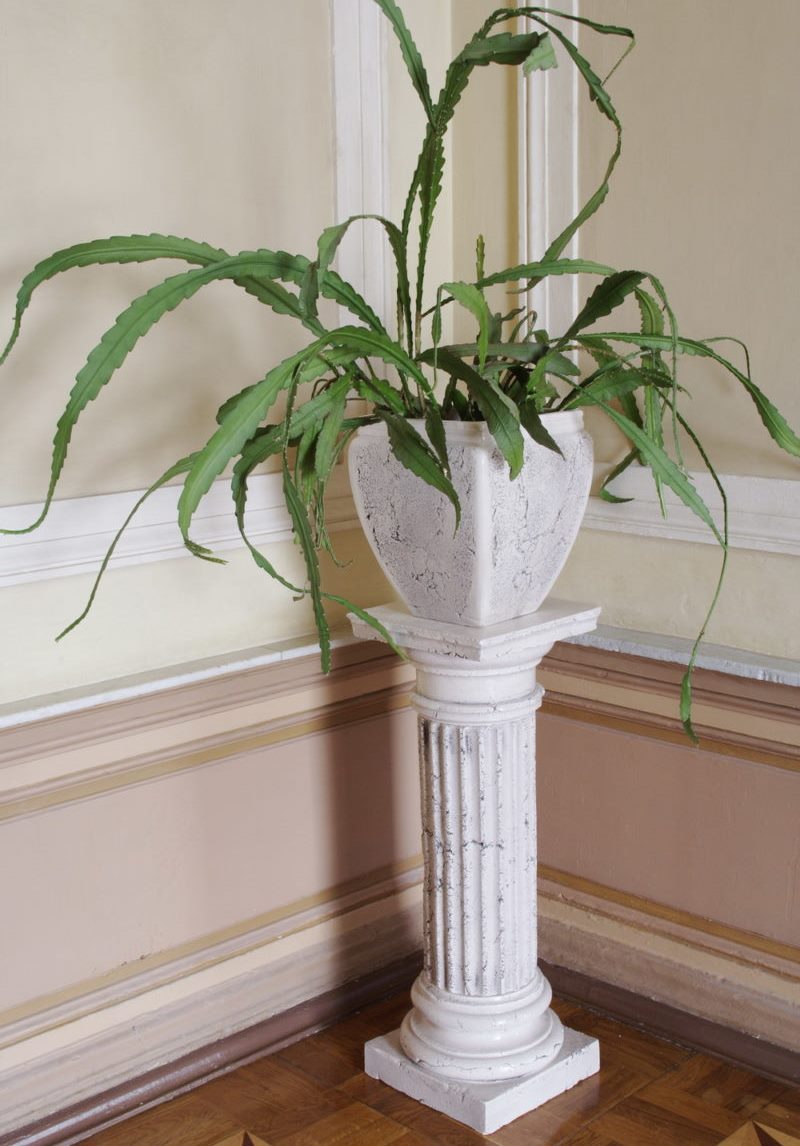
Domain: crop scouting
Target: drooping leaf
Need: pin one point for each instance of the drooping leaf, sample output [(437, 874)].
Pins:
[(777, 426), (499, 412), (130, 326), (302, 531), (543, 269), (411, 55), (330, 429), (470, 297), (234, 431), (412, 451), (530, 418), (605, 492), (434, 427), (606, 296), (663, 467), (117, 249), (180, 467), (686, 683), (502, 48)]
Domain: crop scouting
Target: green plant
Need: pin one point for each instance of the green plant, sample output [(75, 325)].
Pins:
[(508, 377)]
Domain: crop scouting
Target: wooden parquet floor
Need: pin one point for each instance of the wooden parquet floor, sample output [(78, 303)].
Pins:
[(314, 1093)]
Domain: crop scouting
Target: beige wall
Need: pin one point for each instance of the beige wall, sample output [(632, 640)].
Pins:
[(178, 118), (705, 195)]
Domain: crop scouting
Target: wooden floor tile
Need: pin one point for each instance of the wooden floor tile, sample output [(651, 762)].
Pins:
[(757, 1134), (323, 1058), (354, 1123), (315, 1093), (565, 1115), (271, 1100), (625, 1046), (186, 1121), (719, 1084), (783, 1112), (421, 1119), (635, 1122)]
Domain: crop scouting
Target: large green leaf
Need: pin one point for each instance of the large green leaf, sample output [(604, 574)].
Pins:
[(777, 426), (606, 296), (180, 467), (411, 55), (471, 298), (135, 322), (117, 249), (236, 428), (502, 48), (331, 428), (328, 245), (499, 412), (544, 268), (302, 531), (412, 451), (663, 467), (374, 345)]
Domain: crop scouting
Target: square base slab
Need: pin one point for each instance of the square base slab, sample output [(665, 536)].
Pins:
[(484, 1106)]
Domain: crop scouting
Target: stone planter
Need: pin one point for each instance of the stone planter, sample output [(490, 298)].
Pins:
[(514, 536)]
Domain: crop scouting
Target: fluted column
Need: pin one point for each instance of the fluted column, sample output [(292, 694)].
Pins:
[(481, 1007)]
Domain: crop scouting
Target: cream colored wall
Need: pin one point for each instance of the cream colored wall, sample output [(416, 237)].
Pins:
[(705, 195), (187, 119)]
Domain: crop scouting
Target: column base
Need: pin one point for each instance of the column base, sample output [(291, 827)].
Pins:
[(483, 1106)]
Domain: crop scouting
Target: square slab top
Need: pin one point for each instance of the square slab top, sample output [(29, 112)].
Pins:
[(534, 633)]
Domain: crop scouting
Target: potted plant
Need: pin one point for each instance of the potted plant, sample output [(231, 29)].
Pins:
[(511, 398)]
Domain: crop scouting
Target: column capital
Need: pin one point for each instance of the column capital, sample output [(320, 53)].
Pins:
[(521, 641)]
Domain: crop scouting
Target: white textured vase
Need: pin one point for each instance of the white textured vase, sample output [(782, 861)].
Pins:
[(514, 536)]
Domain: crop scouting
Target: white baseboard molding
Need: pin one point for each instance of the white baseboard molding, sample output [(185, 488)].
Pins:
[(114, 1042), (695, 971)]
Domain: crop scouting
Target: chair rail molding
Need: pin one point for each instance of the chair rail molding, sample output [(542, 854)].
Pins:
[(548, 177), (764, 513)]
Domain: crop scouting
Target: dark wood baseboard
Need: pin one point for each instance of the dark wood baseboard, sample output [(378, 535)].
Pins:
[(77, 1122), (138, 1094), (779, 1063)]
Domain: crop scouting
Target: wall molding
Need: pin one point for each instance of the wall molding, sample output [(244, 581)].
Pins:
[(43, 763), (744, 717), (764, 517), (121, 1039), (73, 1124), (360, 108), (549, 192), (38, 1017), (665, 956), (77, 532), (764, 513)]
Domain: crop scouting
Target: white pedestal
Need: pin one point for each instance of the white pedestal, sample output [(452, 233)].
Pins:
[(481, 1043)]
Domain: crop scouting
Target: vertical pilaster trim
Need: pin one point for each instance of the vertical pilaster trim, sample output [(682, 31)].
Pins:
[(549, 193), (360, 98)]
